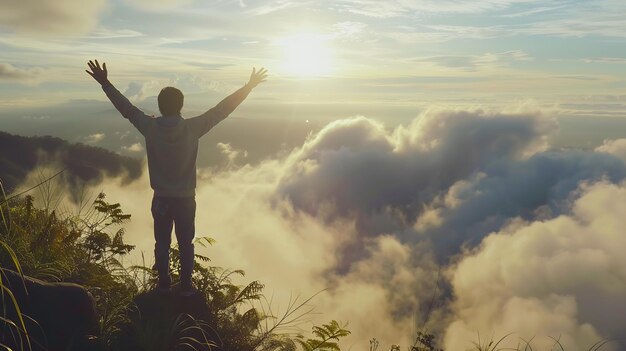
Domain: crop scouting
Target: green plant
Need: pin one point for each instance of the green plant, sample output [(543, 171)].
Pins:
[(424, 342), (491, 345), (185, 333), (20, 327), (40, 243), (325, 338)]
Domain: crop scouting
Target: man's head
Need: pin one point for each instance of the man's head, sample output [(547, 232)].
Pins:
[(170, 101)]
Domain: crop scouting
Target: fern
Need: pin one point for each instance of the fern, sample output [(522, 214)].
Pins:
[(326, 337)]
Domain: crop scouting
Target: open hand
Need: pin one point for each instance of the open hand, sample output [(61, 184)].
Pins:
[(98, 73), (257, 78)]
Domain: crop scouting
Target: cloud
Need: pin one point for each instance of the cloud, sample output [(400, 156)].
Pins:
[(348, 29), (27, 75), (107, 33), (449, 179), (70, 17), (478, 62), (436, 189), (136, 147), (137, 91), (615, 147), (566, 276), (534, 189), (599, 18), (158, 5), (397, 8), (606, 60), (395, 284), (355, 168), (232, 155), (271, 7), (603, 22), (534, 11), (440, 33), (94, 138)]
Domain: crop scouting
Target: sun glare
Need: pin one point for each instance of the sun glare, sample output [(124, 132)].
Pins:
[(306, 55)]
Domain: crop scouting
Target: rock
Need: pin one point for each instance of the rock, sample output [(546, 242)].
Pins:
[(58, 316), (165, 321)]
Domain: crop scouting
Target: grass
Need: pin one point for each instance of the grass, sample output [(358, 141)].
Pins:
[(526, 345), (4, 290)]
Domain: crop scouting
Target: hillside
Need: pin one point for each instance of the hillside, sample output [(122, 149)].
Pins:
[(20, 155)]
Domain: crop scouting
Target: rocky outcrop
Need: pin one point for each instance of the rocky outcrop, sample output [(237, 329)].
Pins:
[(167, 321), (58, 316)]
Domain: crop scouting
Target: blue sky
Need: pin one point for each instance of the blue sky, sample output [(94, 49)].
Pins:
[(562, 57)]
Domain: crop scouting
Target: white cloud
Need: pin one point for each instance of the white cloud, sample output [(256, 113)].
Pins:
[(71, 17), (25, 75), (478, 62), (348, 29), (271, 7), (137, 91), (561, 277), (158, 5), (94, 138), (616, 148), (441, 33), (533, 11), (107, 33), (602, 17), (396, 8), (598, 18), (233, 156), (602, 22), (371, 165), (136, 147), (606, 60)]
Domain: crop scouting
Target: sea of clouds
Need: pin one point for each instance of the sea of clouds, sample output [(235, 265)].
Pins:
[(464, 223)]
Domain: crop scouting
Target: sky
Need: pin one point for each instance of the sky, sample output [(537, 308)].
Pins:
[(470, 150), (567, 56)]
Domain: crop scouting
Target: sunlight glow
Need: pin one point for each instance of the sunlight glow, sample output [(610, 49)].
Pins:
[(306, 54)]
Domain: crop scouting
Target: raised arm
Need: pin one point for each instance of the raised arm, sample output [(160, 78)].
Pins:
[(139, 119), (203, 123)]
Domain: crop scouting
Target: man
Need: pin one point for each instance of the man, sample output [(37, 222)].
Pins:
[(172, 148)]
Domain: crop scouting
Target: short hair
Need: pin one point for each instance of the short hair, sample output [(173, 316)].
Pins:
[(170, 101)]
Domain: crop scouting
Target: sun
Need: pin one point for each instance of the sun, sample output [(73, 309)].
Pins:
[(306, 54)]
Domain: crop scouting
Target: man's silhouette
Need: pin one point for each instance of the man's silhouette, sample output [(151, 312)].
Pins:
[(172, 148)]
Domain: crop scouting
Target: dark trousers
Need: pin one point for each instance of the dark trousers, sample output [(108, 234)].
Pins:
[(167, 212)]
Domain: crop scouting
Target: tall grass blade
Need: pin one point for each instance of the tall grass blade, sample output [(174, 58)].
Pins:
[(18, 312)]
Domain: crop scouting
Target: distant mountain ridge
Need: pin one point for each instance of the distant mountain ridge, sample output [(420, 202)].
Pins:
[(20, 155)]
